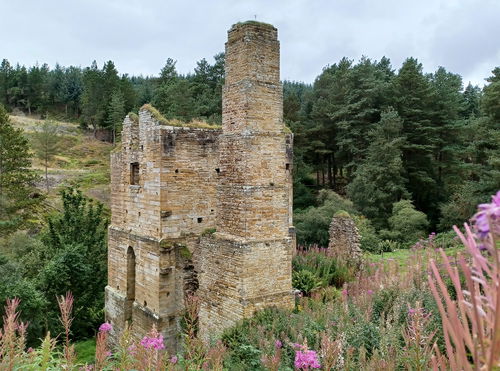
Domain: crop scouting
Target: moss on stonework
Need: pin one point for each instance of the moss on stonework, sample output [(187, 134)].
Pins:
[(184, 252), (134, 117), (208, 231), (287, 130), (255, 23), (342, 214), (166, 244), (178, 123)]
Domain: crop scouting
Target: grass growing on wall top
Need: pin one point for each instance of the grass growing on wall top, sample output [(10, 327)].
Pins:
[(198, 124)]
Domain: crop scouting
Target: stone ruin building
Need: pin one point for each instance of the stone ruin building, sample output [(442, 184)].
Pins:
[(205, 210), (345, 239)]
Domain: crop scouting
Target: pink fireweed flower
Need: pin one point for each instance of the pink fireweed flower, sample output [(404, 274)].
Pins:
[(109, 354), (105, 327), (344, 292), (306, 359), (488, 217), (412, 311), (278, 344), (173, 360), (369, 292), (153, 342)]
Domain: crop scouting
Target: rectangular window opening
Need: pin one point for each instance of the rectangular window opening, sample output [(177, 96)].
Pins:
[(134, 173)]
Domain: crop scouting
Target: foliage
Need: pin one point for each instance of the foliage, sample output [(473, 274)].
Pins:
[(313, 223), (17, 192), (45, 142), (385, 318), (471, 320), (379, 180), (72, 258), (305, 281), (407, 224), (315, 267)]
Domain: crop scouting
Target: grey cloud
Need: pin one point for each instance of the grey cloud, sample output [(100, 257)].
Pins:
[(140, 35)]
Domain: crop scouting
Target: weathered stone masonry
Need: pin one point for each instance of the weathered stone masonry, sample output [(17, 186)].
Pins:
[(170, 185)]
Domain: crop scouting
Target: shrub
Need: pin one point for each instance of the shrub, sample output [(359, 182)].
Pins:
[(312, 224), (305, 281), (407, 224), (326, 270)]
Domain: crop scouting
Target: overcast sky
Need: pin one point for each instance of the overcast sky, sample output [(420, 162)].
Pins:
[(461, 35)]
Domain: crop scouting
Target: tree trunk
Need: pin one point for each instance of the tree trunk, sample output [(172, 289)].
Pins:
[(330, 178), (46, 174)]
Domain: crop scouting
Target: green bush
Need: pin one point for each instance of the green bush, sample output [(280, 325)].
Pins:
[(388, 246), (313, 224), (370, 240), (407, 224), (325, 268), (305, 281)]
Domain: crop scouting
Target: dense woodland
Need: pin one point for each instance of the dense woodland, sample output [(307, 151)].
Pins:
[(403, 152), (361, 129)]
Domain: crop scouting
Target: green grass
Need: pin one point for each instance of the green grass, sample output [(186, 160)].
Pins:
[(85, 351), (403, 255)]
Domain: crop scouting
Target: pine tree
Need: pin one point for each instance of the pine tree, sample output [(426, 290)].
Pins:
[(16, 178), (92, 97), (414, 99), (379, 181), (162, 98), (491, 97), (46, 144), (5, 81), (116, 112), (471, 99)]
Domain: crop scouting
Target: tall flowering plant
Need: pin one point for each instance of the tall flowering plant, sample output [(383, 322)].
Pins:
[(471, 322)]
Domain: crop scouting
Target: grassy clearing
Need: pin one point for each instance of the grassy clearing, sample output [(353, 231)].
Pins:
[(85, 351), (82, 161), (403, 256)]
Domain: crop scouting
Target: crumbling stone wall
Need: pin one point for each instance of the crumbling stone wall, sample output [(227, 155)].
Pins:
[(159, 213), (345, 239), (172, 184)]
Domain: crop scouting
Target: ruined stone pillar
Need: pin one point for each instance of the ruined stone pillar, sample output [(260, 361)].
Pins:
[(246, 263)]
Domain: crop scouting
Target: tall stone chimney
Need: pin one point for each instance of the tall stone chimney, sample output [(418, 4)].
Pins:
[(246, 263)]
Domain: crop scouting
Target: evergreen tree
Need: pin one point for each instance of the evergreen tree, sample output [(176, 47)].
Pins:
[(5, 81), (45, 143), (73, 259), (379, 181), (491, 97), (72, 89), (162, 98), (16, 178), (471, 99), (116, 112), (92, 97), (414, 99)]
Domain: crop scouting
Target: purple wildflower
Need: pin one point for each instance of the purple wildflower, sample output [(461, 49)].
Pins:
[(412, 311), (369, 292), (105, 327), (306, 359), (488, 217), (152, 342), (173, 360), (278, 344)]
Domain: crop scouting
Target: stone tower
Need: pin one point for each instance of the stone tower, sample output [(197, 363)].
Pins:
[(246, 264), (173, 185)]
